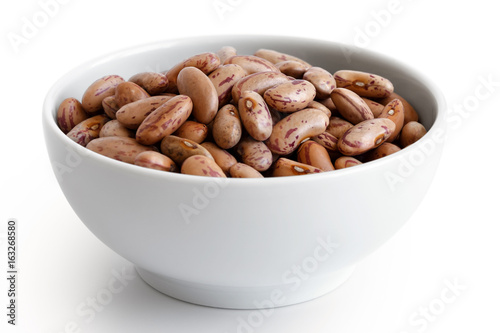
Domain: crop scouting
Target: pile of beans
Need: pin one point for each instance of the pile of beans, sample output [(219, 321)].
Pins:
[(243, 116)]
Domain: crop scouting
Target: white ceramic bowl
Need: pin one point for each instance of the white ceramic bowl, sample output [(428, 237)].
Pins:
[(245, 243)]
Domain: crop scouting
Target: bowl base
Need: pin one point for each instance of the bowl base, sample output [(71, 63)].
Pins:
[(261, 297)]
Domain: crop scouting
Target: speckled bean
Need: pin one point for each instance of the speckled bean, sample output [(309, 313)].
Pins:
[(194, 83), (410, 113), (366, 135), (252, 64), (255, 115), (115, 128), (179, 149), (258, 82), (319, 106), (351, 106), (376, 108), (221, 156), (326, 140), (226, 52), (327, 102), (192, 130), (290, 96), (119, 148), (205, 62), (128, 92), (154, 83), (275, 57), (255, 153), (294, 128), (227, 129), (199, 165), (394, 111), (88, 130), (314, 154), (133, 114), (292, 68), (242, 170), (322, 80), (346, 162), (165, 120), (338, 126), (411, 133), (97, 91), (224, 78), (155, 160), (383, 150), (69, 114), (286, 167), (364, 84), (110, 106)]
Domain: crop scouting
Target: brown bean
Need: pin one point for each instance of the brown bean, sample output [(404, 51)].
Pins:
[(322, 80), (275, 57), (255, 115), (252, 64), (205, 62), (294, 128), (242, 170), (226, 52), (286, 167), (394, 111), (88, 130), (351, 106), (227, 129), (69, 114), (118, 148), (97, 91), (338, 126), (364, 84), (154, 83), (155, 160), (221, 156), (115, 128), (128, 92), (192, 130), (255, 153), (383, 150), (165, 120), (258, 82), (410, 113), (194, 83), (133, 114), (312, 153), (376, 108), (199, 165), (346, 162), (290, 96), (179, 149), (110, 106), (366, 135), (411, 133), (292, 68), (224, 78)]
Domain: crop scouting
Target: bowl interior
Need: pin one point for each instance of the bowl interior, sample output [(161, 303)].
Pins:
[(329, 55)]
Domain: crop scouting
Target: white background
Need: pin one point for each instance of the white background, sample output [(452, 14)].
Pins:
[(452, 237)]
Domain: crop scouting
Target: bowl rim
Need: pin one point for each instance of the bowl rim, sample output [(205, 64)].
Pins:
[(50, 110)]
